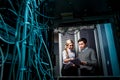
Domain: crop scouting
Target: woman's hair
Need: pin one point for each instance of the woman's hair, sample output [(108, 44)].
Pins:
[(68, 42)]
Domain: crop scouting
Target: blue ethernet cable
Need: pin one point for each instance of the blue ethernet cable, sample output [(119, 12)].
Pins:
[(35, 29)]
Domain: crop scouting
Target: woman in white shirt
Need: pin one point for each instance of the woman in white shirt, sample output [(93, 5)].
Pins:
[(68, 56)]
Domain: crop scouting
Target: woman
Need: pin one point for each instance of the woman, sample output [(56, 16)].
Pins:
[(69, 68)]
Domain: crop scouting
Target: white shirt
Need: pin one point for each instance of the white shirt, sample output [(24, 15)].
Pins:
[(71, 54)]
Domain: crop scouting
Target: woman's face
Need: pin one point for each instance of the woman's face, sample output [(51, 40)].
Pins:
[(71, 46)]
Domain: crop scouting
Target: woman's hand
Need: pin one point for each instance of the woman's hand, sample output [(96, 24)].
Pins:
[(71, 59)]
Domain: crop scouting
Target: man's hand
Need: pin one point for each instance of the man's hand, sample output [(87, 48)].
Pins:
[(73, 65), (83, 62)]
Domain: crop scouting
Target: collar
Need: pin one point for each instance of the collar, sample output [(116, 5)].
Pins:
[(70, 51), (84, 49)]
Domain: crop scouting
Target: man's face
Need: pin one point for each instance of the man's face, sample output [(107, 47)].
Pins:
[(82, 45)]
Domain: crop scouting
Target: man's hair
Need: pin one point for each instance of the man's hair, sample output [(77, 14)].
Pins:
[(83, 39)]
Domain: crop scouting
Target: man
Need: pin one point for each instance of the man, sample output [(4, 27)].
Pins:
[(87, 57)]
